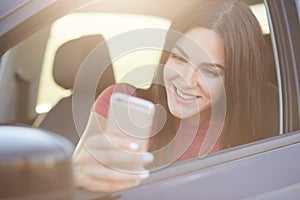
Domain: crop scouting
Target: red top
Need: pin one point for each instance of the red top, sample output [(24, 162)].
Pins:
[(101, 106)]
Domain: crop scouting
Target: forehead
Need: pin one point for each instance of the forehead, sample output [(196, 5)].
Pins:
[(202, 43)]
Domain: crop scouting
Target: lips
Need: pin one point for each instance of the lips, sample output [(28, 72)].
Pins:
[(184, 97)]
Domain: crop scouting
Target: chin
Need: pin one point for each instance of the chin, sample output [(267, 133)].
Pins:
[(182, 115)]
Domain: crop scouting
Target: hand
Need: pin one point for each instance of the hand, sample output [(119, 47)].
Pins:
[(108, 162)]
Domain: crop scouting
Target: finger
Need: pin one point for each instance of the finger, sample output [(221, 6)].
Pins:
[(104, 186), (101, 178), (123, 160), (120, 160), (111, 141), (107, 174)]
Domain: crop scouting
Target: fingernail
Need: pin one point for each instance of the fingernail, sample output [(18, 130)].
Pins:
[(148, 157), (133, 146), (144, 175)]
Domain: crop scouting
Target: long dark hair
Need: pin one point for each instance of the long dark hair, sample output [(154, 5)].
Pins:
[(244, 68)]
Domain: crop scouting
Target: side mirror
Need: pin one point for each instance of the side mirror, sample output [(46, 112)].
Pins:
[(34, 164)]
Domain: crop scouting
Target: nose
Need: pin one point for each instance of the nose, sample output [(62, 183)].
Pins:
[(192, 76)]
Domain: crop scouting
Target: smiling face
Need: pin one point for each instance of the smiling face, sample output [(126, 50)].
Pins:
[(194, 74)]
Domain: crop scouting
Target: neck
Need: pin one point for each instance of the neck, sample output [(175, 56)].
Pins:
[(198, 120)]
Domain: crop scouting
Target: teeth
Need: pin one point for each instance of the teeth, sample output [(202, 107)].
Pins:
[(184, 96)]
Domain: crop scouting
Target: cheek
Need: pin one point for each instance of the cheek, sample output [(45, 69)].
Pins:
[(216, 90), (170, 71)]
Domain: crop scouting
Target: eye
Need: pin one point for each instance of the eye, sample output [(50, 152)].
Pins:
[(209, 71), (177, 58)]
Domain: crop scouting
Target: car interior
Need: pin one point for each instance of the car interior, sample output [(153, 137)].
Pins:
[(66, 64), (23, 67)]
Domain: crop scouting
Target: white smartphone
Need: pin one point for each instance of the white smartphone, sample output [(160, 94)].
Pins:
[(132, 117)]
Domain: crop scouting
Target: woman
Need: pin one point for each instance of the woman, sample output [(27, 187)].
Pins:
[(221, 47)]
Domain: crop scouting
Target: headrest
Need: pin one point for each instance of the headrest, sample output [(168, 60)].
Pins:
[(69, 57)]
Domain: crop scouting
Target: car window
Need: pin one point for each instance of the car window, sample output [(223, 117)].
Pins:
[(27, 68)]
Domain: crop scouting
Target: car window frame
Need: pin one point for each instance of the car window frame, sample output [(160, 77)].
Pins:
[(297, 2)]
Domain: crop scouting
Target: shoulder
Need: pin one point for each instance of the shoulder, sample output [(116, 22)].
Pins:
[(102, 102)]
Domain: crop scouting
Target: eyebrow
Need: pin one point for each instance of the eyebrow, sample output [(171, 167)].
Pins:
[(213, 65), (205, 63), (181, 51)]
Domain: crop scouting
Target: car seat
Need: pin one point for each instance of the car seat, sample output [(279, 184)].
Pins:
[(67, 62)]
